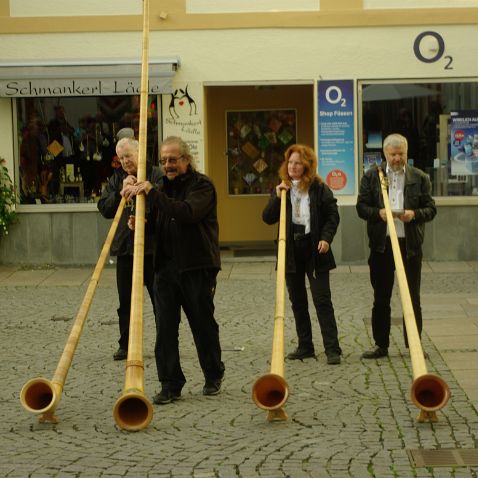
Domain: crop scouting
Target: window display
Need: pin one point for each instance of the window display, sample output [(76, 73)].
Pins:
[(66, 146), (256, 142), (439, 121)]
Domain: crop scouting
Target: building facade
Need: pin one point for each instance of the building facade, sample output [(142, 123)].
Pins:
[(240, 81)]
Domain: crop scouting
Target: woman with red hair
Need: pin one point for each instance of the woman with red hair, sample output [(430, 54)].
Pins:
[(311, 224)]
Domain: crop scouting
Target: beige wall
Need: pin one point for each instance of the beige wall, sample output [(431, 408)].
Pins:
[(171, 15), (240, 216)]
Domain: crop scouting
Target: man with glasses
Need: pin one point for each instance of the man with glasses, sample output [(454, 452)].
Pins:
[(123, 243), (186, 263)]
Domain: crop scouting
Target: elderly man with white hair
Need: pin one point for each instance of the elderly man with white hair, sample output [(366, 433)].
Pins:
[(123, 243), (412, 206)]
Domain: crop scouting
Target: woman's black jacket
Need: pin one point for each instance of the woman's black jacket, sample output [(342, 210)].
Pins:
[(324, 221)]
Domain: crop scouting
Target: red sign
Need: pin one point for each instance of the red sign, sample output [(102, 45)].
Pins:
[(336, 179)]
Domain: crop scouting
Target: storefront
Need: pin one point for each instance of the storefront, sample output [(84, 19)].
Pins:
[(65, 116), (248, 87)]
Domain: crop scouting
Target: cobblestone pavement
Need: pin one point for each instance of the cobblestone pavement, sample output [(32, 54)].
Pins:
[(351, 420)]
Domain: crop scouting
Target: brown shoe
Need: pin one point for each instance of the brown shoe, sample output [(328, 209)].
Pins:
[(376, 353)]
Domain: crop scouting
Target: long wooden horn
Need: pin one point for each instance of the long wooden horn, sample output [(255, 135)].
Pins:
[(270, 391), (429, 392), (40, 395), (133, 411)]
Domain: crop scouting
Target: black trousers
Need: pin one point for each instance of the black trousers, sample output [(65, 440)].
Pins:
[(382, 276), (124, 283), (321, 296), (194, 292)]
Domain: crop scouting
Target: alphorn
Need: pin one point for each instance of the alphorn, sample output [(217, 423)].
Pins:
[(429, 392), (133, 411), (270, 391), (42, 396)]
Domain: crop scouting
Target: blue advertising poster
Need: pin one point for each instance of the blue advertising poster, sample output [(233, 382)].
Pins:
[(336, 135), (464, 142)]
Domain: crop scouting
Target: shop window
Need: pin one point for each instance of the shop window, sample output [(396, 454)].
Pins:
[(440, 122), (256, 143), (66, 146)]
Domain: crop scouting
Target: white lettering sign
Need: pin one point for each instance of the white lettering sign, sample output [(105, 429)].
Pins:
[(81, 87)]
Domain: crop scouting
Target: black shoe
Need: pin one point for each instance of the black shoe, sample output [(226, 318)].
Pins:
[(333, 359), (376, 353), (300, 353), (166, 396), (212, 387), (120, 354)]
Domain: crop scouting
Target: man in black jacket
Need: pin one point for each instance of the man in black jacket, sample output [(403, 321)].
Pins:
[(412, 206), (186, 263), (123, 242)]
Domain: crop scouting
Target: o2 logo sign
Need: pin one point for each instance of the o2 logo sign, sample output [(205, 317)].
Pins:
[(438, 54), (333, 95)]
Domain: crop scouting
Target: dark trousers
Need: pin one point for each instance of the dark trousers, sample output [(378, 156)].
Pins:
[(124, 283), (321, 296), (194, 292), (382, 269)]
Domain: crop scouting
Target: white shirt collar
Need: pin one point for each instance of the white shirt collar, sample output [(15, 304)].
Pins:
[(390, 171)]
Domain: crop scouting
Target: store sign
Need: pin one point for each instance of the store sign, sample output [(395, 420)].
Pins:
[(81, 87), (182, 116), (336, 135), (464, 142)]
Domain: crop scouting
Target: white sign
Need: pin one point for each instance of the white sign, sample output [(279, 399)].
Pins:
[(182, 116), (81, 87)]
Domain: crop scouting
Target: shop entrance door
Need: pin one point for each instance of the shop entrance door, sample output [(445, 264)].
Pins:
[(244, 171)]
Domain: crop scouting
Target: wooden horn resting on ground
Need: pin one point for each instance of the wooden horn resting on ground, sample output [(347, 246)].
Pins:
[(133, 411), (42, 396), (429, 392), (270, 391)]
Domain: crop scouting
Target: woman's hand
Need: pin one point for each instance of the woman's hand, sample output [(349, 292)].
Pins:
[(280, 187), (323, 247)]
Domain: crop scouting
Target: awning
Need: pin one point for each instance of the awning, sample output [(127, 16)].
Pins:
[(85, 78)]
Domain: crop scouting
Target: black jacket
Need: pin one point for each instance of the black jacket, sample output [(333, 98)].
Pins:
[(416, 196), (185, 213), (324, 221), (123, 242)]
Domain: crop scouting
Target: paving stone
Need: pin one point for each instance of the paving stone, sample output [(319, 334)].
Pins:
[(353, 420)]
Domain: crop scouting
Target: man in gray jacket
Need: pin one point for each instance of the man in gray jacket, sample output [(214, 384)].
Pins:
[(412, 206)]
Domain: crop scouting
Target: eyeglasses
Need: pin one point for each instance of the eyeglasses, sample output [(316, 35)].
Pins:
[(171, 160)]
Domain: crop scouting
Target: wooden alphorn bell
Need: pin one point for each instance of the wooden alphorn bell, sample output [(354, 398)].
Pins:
[(429, 392), (42, 396), (270, 391), (133, 411)]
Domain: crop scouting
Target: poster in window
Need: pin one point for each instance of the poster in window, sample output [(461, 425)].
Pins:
[(336, 134), (464, 142), (256, 143)]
